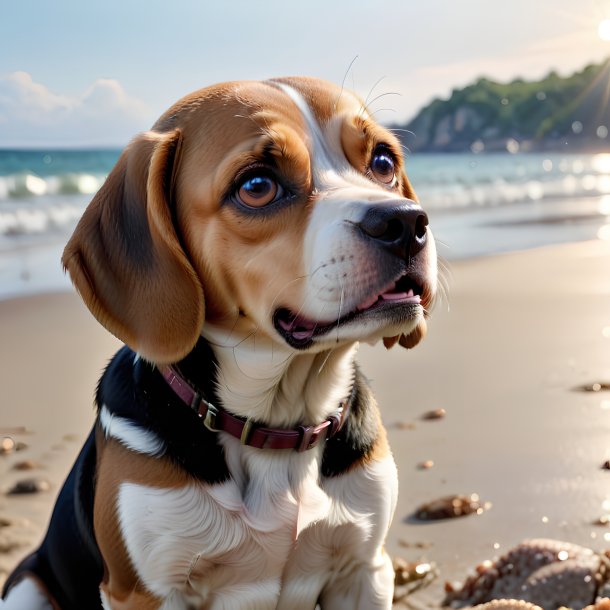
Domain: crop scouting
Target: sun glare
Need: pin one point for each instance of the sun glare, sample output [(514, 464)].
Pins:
[(603, 29)]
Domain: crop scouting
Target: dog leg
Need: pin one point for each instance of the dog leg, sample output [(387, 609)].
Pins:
[(26, 594), (370, 587)]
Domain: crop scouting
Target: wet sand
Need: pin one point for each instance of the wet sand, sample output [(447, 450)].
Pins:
[(522, 331)]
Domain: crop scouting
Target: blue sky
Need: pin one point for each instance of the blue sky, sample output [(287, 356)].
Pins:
[(85, 73)]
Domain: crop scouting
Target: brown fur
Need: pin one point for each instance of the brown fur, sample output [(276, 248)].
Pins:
[(166, 194), (135, 277), (116, 464)]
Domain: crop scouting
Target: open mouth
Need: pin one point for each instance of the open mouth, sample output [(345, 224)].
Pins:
[(299, 331)]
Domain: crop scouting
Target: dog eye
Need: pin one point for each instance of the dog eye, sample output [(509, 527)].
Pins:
[(258, 191), (383, 165)]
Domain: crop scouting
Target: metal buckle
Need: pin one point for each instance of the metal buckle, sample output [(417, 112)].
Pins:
[(209, 421), (310, 435)]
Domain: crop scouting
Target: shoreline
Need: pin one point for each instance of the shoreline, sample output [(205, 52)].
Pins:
[(32, 268), (522, 331)]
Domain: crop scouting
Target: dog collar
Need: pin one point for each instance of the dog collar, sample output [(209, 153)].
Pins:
[(217, 419)]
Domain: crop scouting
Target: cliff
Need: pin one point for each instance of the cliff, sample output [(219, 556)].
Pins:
[(556, 113)]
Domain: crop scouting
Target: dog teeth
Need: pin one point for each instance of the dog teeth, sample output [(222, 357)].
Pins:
[(410, 293)]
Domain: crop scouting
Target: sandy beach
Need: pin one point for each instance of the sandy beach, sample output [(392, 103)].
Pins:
[(503, 357)]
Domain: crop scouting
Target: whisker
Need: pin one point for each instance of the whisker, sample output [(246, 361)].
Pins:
[(351, 63), (325, 361), (233, 327), (382, 110), (397, 129), (383, 95), (366, 101), (297, 279)]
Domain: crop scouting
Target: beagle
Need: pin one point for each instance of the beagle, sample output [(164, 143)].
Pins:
[(241, 249)]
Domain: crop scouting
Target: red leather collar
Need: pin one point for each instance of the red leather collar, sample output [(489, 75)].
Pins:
[(217, 419)]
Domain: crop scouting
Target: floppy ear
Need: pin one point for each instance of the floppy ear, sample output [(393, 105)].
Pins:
[(126, 260)]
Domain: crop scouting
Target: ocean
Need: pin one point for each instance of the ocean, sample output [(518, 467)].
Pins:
[(479, 204)]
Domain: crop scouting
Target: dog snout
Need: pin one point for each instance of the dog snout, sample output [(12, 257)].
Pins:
[(401, 230)]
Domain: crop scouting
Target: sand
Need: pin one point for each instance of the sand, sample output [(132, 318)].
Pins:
[(522, 331)]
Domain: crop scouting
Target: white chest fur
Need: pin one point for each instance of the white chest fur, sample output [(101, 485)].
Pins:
[(218, 544)]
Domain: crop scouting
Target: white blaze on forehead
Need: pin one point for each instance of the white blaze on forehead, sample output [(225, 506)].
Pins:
[(323, 157), (329, 165), (336, 262)]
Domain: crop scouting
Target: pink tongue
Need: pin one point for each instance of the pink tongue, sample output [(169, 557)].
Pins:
[(306, 328), (394, 296), (303, 334)]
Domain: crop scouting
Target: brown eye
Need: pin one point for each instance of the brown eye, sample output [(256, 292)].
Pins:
[(383, 165), (258, 191)]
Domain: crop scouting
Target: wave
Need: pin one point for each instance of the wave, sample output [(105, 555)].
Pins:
[(447, 197), (28, 184), (35, 203), (446, 182), (52, 217)]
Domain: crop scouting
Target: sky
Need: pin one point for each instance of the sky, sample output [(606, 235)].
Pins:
[(77, 73)]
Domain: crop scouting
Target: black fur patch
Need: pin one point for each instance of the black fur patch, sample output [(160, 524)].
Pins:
[(139, 393), (357, 437)]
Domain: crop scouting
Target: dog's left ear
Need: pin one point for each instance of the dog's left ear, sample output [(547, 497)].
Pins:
[(125, 256)]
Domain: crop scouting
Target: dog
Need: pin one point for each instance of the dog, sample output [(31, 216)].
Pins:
[(241, 249)]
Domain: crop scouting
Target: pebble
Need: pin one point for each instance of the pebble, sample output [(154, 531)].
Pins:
[(404, 425), (7, 546), (606, 465), (451, 507), (415, 545), (411, 575), (426, 465), (29, 486), (434, 414), (598, 386), (26, 465), (7, 445)]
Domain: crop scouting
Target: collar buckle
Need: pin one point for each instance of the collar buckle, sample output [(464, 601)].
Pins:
[(209, 421), (311, 435)]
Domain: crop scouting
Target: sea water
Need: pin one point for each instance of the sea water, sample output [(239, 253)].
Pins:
[(478, 204)]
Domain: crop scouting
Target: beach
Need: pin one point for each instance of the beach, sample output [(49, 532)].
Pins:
[(504, 354)]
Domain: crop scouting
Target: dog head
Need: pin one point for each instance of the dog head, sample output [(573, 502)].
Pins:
[(279, 208)]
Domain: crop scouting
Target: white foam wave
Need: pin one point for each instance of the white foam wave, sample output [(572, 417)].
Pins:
[(35, 221), (27, 184)]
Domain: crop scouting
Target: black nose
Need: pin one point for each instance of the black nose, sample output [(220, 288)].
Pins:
[(400, 229)]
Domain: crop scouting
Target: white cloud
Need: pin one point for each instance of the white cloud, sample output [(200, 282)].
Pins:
[(32, 115)]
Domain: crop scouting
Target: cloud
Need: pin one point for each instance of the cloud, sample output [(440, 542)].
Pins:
[(32, 115)]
